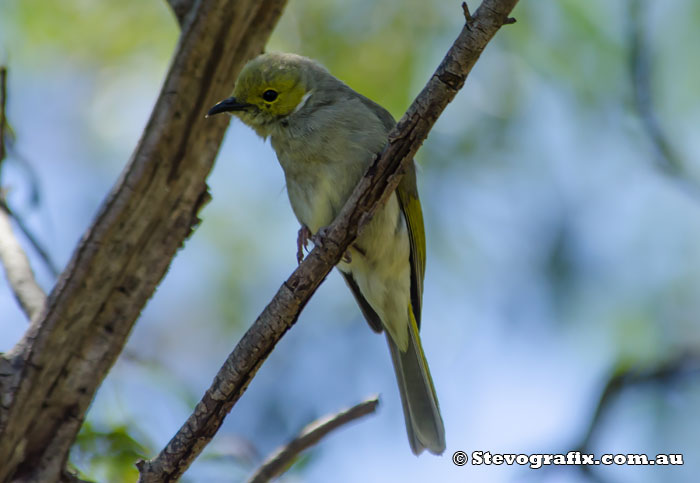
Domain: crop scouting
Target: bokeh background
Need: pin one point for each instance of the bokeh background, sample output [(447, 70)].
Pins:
[(562, 208)]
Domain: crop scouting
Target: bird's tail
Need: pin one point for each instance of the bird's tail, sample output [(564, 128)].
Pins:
[(420, 405)]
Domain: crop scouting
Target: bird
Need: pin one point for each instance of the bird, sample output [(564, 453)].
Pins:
[(325, 136)]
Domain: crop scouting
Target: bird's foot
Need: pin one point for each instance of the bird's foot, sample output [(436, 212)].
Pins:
[(319, 236), (303, 238), (318, 241)]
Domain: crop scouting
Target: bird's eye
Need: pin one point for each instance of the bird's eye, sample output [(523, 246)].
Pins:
[(269, 95)]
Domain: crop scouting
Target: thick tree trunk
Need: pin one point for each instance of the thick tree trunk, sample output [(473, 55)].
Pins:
[(49, 378)]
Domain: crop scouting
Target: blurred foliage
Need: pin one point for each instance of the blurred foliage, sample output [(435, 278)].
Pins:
[(108, 454), (570, 41), (372, 35), (89, 31)]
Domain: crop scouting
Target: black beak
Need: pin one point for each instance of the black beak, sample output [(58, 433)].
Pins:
[(227, 105)]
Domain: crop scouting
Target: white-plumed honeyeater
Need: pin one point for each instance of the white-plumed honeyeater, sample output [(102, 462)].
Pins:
[(325, 135)]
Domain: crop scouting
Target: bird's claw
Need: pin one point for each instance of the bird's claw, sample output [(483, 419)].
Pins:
[(305, 235), (319, 236), (303, 238)]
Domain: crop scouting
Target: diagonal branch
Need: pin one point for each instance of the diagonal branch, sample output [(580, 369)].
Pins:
[(17, 268), (281, 459), (49, 378), (281, 313)]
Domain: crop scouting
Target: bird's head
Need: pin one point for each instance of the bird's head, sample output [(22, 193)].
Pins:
[(269, 88)]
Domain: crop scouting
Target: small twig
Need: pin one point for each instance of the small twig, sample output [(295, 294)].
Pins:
[(69, 476), (280, 460), (17, 269), (3, 121), (33, 240), (467, 15)]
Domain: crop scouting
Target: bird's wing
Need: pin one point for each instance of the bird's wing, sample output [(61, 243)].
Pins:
[(407, 193), (370, 315)]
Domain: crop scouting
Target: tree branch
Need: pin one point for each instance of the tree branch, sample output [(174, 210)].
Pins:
[(17, 268), (3, 118), (281, 459), (18, 271), (181, 8), (281, 313), (49, 378), (32, 181), (32, 239)]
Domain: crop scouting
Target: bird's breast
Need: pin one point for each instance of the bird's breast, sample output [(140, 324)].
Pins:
[(321, 169)]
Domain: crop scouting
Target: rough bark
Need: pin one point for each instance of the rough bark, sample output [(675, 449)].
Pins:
[(282, 312), (49, 378)]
